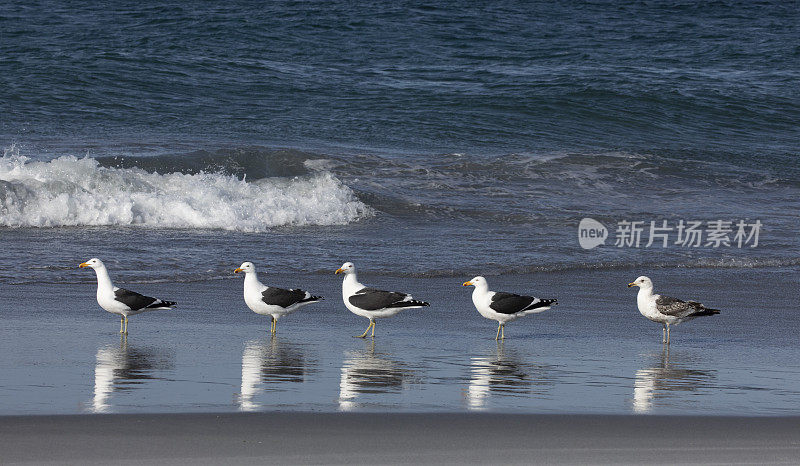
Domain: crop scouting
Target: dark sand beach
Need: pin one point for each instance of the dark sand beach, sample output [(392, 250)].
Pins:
[(317, 438), (586, 383)]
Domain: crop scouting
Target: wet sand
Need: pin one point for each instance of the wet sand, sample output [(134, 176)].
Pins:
[(592, 354), (329, 438)]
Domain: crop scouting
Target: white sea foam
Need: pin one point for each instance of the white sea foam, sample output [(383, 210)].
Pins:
[(71, 191)]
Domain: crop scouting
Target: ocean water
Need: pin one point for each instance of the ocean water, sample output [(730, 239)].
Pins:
[(427, 143)]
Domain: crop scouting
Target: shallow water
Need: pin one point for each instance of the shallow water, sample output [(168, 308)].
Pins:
[(591, 354)]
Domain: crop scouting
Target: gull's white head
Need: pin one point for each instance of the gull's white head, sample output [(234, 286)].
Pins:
[(94, 263), (641, 282), (246, 267), (346, 268), (476, 282)]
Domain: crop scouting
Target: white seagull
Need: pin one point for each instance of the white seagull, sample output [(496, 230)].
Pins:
[(665, 310), (370, 302), (119, 300), (504, 307), (269, 300)]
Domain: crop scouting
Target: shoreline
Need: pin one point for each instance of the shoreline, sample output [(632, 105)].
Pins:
[(592, 354), (336, 438)]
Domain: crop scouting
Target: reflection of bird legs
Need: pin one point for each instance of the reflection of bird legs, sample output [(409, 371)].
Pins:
[(500, 328), (372, 326)]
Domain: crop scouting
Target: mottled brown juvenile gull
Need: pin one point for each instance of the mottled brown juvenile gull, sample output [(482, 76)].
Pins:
[(664, 309)]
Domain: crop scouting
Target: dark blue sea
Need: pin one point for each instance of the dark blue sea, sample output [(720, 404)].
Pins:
[(428, 142)]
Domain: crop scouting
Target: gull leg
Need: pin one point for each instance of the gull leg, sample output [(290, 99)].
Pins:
[(664, 334), (273, 326), (497, 337), (121, 318), (503, 332), (667, 334), (373, 328), (364, 335), (126, 326)]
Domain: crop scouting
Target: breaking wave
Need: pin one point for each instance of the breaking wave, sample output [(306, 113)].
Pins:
[(71, 191)]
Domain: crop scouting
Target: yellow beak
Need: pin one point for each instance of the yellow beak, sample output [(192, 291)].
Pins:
[(467, 283), (84, 264), (339, 270), (632, 284), (238, 269)]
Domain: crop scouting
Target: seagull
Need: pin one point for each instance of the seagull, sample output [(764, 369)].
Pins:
[(504, 307), (269, 300), (665, 310), (370, 302), (119, 300)]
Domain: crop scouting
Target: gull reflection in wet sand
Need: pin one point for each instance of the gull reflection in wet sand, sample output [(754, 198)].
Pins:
[(269, 362), (123, 367), (366, 371), (502, 373), (664, 379)]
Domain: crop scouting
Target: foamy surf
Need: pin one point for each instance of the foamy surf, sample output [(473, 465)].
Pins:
[(71, 191)]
